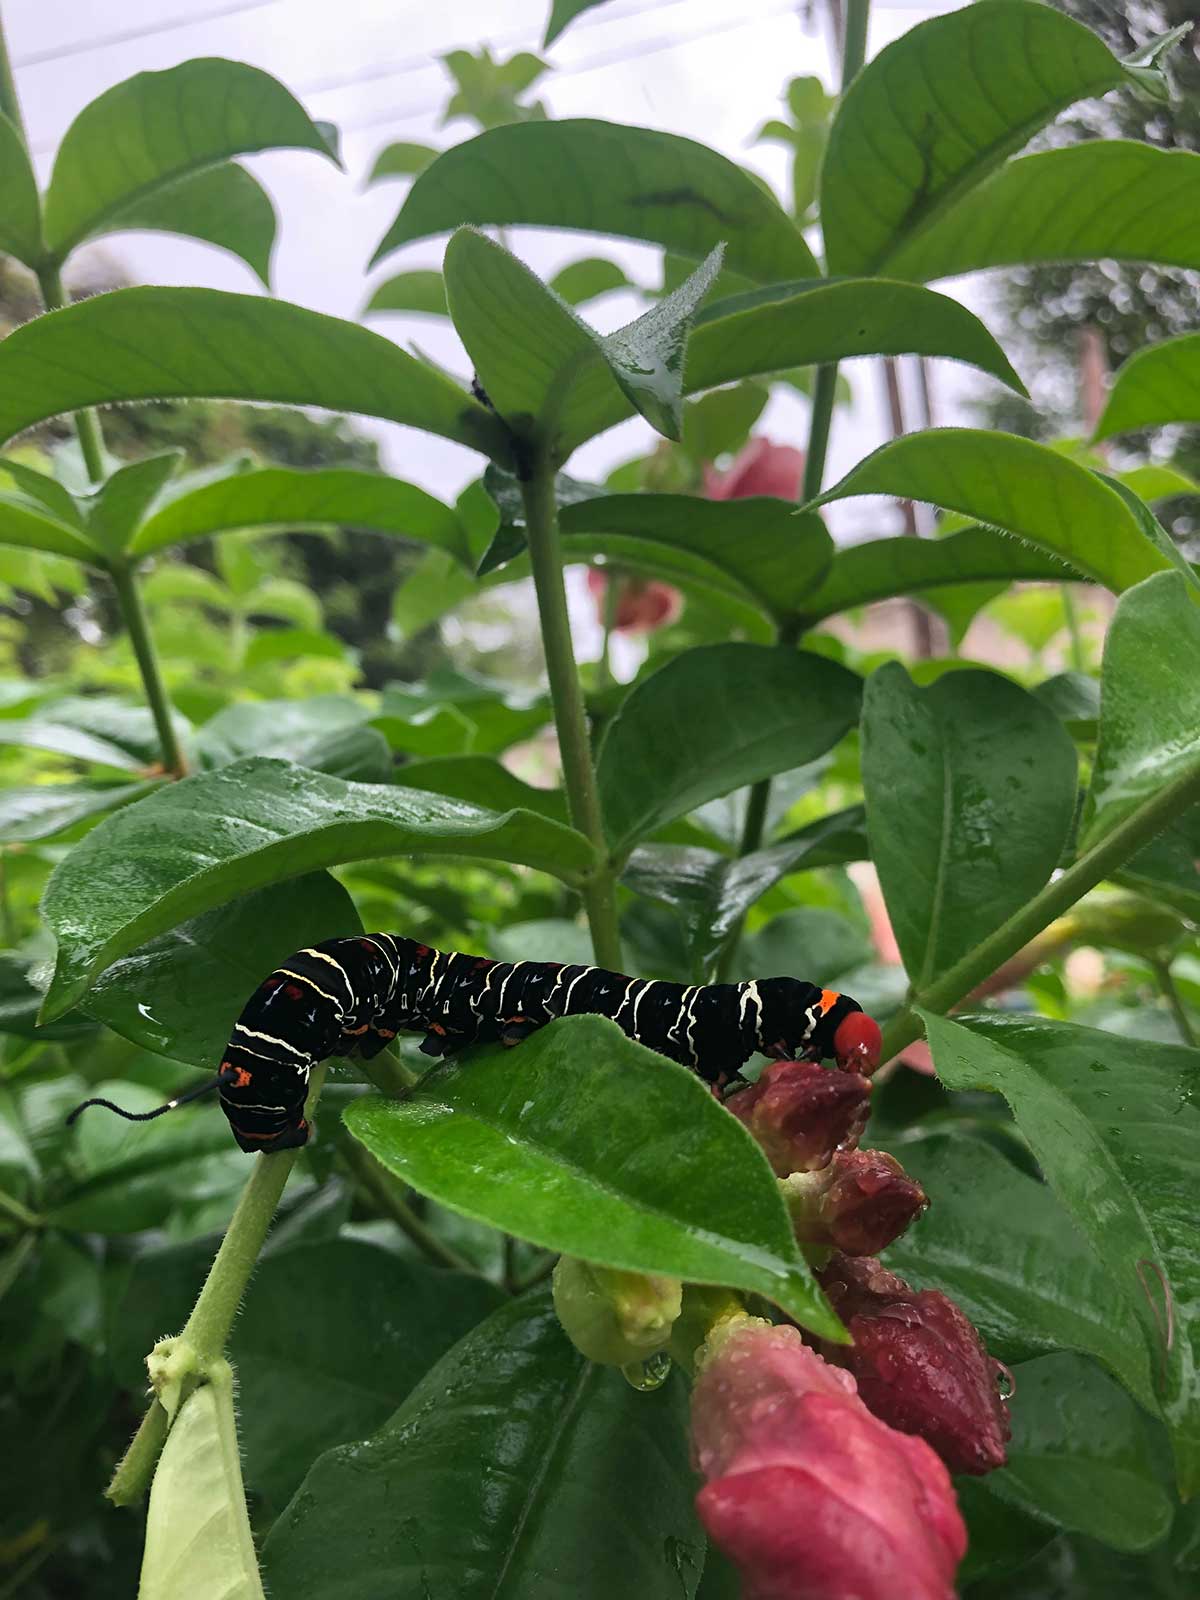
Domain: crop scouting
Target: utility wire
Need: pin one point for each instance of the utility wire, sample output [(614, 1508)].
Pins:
[(167, 25)]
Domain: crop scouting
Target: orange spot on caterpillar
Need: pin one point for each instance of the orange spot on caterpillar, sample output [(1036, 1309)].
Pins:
[(829, 998)]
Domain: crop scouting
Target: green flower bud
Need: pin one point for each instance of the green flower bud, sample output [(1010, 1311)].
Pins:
[(611, 1316)]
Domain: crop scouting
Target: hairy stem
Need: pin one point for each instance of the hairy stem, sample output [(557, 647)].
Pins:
[(1056, 898), (133, 613), (136, 1466), (388, 1193), (1170, 993), (579, 775)]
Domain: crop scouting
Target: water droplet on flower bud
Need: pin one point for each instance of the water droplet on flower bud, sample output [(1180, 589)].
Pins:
[(648, 1375)]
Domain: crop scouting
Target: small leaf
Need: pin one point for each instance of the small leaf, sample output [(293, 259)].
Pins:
[(753, 710), (254, 823), (605, 177), (588, 279), (20, 207), (530, 1150), (154, 344), (483, 781), (1168, 868), (25, 526), (1022, 487), (562, 14), (947, 102), (1149, 702), (571, 1483), (157, 127), (952, 773), (1157, 385), (222, 205), (1142, 204), (119, 504), (1113, 1125), (198, 1540), (401, 160), (422, 292)]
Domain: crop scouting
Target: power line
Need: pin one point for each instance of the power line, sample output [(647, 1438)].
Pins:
[(128, 35)]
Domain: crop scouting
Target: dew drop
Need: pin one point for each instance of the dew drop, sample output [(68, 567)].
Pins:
[(648, 1375)]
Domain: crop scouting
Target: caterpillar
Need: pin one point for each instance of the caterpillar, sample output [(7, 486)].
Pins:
[(352, 996)]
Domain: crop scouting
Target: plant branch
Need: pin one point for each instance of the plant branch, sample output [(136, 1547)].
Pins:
[(1057, 897), (136, 1466), (388, 1194), (1170, 993), (20, 1214), (579, 774), (87, 423), (133, 614)]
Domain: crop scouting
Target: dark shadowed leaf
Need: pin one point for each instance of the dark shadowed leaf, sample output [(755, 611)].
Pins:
[(1168, 869), (193, 846), (526, 1143), (753, 710), (970, 789), (606, 178), (573, 1485)]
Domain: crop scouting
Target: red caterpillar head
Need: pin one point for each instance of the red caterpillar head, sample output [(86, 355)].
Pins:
[(858, 1042)]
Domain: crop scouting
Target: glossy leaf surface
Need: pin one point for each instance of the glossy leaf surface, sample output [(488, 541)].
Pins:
[(525, 1140), (39, 811), (970, 789)]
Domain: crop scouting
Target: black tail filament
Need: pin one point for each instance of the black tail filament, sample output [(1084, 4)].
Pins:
[(149, 1116)]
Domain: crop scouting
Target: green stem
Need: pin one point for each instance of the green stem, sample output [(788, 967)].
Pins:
[(136, 1466), (133, 613), (1171, 994), (579, 775), (388, 1194), (19, 1214), (824, 392), (1078, 659), (87, 423), (1098, 863), (612, 601)]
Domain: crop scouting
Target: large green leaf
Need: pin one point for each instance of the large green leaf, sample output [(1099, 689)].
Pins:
[(286, 497), (1080, 1456), (221, 205), (157, 127), (937, 110), (154, 344), (970, 790), (1157, 385), (39, 811), (1105, 199), (749, 710), (1022, 487), (881, 568), (1114, 1126), (198, 1540), (801, 324), (20, 208), (198, 843), (180, 994), (712, 892), (1149, 702), (605, 177), (1031, 1286), (526, 1141), (515, 1469), (293, 730)]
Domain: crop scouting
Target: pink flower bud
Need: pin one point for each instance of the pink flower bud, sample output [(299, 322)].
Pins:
[(643, 604), (801, 1112), (759, 467), (859, 1203), (920, 1364), (810, 1495)]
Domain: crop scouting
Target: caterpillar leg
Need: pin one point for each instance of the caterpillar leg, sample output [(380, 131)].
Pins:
[(515, 1029)]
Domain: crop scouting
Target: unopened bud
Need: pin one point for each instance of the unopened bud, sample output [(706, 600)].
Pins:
[(615, 1317), (859, 1203), (800, 1113)]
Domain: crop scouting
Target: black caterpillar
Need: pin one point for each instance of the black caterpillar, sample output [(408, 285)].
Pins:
[(350, 996)]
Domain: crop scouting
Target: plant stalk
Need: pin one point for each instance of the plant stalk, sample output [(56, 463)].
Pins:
[(87, 423), (18, 1213), (133, 613), (388, 1193), (1055, 899), (1170, 993), (579, 774)]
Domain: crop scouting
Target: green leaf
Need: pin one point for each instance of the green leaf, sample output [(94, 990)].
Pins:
[(119, 504), (588, 279), (222, 205), (401, 160), (1157, 385), (1112, 1122), (562, 14), (752, 710), (530, 1149), (196, 844), (130, 727), (180, 994), (154, 344), (711, 892), (423, 292), (26, 526), (1168, 868), (925, 121), (605, 177), (484, 781), (198, 1540), (1030, 1283), (1105, 199), (800, 324), (157, 127), (1022, 487), (1080, 1456), (1149, 702), (571, 1483), (42, 732), (20, 207), (970, 790), (719, 423), (40, 810), (882, 568)]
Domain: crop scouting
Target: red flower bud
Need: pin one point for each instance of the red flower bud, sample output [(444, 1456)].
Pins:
[(759, 467), (642, 604), (801, 1113), (920, 1364), (859, 1203), (810, 1495)]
